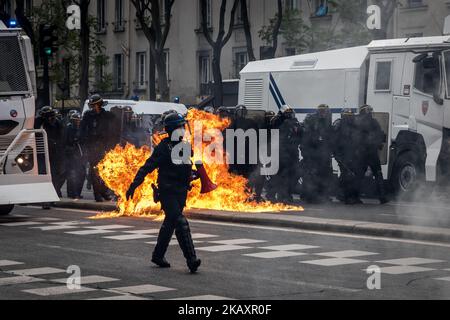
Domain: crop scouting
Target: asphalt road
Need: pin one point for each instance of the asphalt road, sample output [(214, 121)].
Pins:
[(239, 261)]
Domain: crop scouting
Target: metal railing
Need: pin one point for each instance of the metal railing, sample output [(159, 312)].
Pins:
[(36, 139)]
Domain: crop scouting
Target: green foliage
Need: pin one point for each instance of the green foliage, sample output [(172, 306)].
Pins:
[(293, 29), (53, 12)]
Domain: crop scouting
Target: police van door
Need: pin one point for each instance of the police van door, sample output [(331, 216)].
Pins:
[(14, 87), (427, 106)]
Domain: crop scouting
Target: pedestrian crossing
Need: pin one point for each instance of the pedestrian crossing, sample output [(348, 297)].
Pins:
[(92, 287), (303, 253)]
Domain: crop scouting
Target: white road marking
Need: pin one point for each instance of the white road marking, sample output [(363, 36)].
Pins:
[(333, 262), (395, 270), (443, 279), (238, 241), (323, 233), (288, 247), (274, 254), (20, 224), (225, 247), (18, 280), (7, 263), (203, 236), (110, 227), (90, 232), (346, 254), (147, 231), (122, 297), (140, 289), (89, 280), (59, 290), (54, 228), (130, 237), (204, 297), (410, 261), (36, 271)]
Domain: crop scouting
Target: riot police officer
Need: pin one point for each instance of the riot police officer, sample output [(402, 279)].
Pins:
[(347, 156), (47, 120), (76, 167), (316, 148), (289, 132), (372, 139), (99, 135), (174, 178)]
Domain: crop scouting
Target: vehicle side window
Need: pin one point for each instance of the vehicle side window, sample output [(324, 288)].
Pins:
[(447, 71), (383, 76), (427, 77)]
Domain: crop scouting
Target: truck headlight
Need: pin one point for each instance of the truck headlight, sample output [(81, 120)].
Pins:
[(25, 159)]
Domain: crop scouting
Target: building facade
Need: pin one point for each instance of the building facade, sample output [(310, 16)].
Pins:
[(189, 56)]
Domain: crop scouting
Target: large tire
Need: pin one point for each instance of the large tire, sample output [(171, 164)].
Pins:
[(408, 176), (6, 209)]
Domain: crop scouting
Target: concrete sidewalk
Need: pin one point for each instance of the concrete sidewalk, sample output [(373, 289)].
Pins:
[(314, 218)]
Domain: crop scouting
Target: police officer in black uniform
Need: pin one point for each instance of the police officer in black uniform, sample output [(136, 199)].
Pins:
[(99, 135), (54, 128), (75, 160), (316, 148), (347, 156), (289, 132), (372, 139), (174, 178)]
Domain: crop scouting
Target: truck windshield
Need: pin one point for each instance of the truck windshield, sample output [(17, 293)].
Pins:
[(447, 71), (13, 79)]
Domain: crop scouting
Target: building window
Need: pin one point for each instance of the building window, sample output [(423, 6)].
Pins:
[(291, 4), (415, 3), (204, 63), (141, 70), (383, 76), (28, 8), (119, 24), (208, 13), (99, 73), (118, 71), (101, 15), (241, 60)]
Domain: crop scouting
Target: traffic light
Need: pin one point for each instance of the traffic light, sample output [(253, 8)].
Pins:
[(48, 39)]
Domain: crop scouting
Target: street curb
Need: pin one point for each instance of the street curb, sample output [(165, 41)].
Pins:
[(298, 222)]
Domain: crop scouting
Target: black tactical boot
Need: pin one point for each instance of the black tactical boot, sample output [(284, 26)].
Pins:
[(161, 262), (164, 236), (184, 238), (380, 188)]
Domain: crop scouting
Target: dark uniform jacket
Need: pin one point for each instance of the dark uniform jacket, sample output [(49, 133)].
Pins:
[(98, 132), (172, 177), (72, 142), (317, 136), (55, 136), (371, 135)]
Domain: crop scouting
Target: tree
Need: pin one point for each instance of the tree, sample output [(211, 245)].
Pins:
[(387, 11), (84, 50), (148, 13), (218, 44), (247, 31), (270, 33)]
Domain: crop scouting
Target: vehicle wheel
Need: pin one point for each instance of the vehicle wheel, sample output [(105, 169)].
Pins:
[(408, 175), (6, 209)]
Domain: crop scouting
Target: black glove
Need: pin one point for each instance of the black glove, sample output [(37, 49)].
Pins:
[(130, 192)]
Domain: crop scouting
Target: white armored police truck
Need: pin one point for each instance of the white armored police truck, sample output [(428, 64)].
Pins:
[(406, 81), (25, 175)]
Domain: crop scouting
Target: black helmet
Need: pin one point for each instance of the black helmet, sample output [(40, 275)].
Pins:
[(241, 111), (287, 111), (347, 112), (323, 110), (128, 109), (96, 99), (47, 112), (365, 109), (174, 121), (75, 117)]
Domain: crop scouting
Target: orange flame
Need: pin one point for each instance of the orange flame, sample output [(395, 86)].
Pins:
[(120, 165)]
